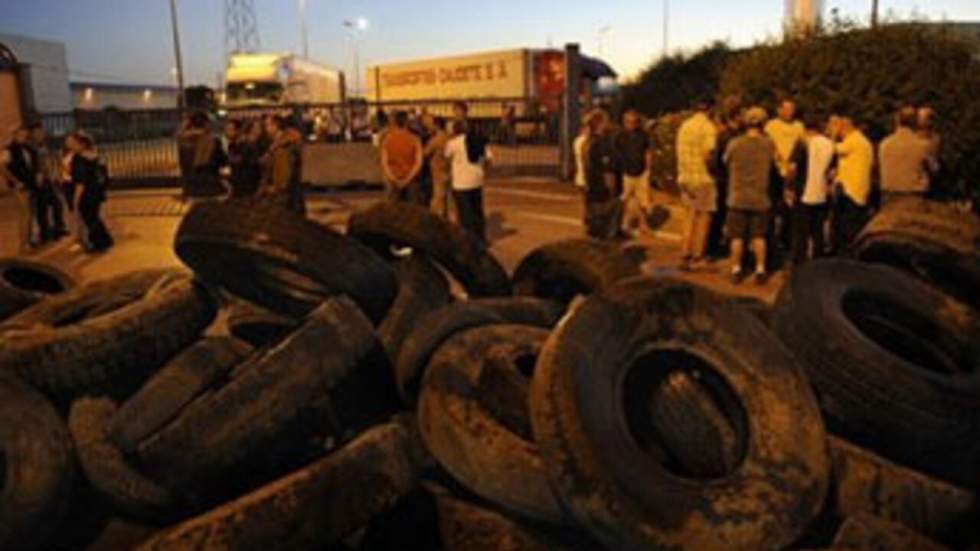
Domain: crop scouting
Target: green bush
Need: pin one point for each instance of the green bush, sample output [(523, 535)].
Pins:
[(674, 83), (868, 74)]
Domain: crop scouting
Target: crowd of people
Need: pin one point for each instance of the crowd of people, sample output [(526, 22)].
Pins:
[(60, 192), (779, 187)]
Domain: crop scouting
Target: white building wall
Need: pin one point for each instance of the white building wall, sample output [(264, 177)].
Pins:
[(47, 73)]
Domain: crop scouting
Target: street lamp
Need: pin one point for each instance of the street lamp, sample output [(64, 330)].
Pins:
[(603, 31), (354, 27), (302, 29), (179, 69)]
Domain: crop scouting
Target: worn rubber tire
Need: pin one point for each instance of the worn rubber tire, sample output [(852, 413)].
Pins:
[(932, 240), (278, 260), (258, 326), (559, 271), (864, 531), (38, 461), (462, 254), (467, 527), (585, 394), (23, 283), (105, 337), (467, 439), (864, 482), (311, 508), (328, 379), (107, 470), (893, 361), (185, 377), (422, 290), (432, 330)]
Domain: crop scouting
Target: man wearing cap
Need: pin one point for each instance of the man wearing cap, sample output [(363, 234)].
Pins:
[(750, 160)]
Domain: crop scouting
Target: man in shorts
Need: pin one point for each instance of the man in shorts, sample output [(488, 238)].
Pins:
[(696, 141), (750, 160), (633, 144)]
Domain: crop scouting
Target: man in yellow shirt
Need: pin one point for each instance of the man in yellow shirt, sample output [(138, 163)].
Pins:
[(855, 159), (787, 133)]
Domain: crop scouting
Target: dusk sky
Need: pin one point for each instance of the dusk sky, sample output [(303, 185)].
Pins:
[(130, 40)]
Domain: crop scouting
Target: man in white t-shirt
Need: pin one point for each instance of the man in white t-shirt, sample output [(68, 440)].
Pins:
[(469, 155), (811, 192)]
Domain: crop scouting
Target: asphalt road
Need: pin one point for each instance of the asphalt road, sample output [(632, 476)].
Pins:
[(522, 215)]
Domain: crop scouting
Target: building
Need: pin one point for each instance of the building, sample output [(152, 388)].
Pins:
[(43, 72), (803, 15), (100, 95)]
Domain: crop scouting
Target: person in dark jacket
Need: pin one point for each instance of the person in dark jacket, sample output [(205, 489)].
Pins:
[(282, 166), (52, 200), (88, 175), (243, 160), (603, 207), (19, 165), (201, 156)]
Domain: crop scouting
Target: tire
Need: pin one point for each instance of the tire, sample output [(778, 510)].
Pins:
[(326, 380), (462, 254), (559, 271), (893, 362), (931, 240), (311, 508), (467, 527), (107, 470), (161, 399), (590, 401), (280, 261), (258, 326), (105, 337), (865, 531), (422, 290), (867, 483), (23, 283), (466, 437), (432, 330), (38, 467)]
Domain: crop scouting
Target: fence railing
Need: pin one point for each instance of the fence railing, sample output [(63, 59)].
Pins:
[(140, 147)]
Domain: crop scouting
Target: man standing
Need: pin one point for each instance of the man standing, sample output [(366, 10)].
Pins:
[(810, 207), (243, 161), (603, 209), (634, 147), (282, 166), (905, 158), (20, 169), (401, 161), (52, 200), (787, 133), (855, 156), (696, 141), (434, 152), (469, 155), (749, 159)]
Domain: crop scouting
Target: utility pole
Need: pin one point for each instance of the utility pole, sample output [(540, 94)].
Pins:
[(302, 29), (874, 14), (666, 28), (180, 63)]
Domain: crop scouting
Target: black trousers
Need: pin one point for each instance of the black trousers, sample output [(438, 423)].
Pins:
[(808, 224), (849, 218), (38, 203), (469, 205), (89, 209), (54, 209)]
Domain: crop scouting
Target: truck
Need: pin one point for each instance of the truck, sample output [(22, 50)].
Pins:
[(530, 82), (272, 79)]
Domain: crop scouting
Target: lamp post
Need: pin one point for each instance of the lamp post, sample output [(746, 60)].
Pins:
[(180, 65), (666, 28), (302, 29), (355, 27), (603, 32), (874, 13)]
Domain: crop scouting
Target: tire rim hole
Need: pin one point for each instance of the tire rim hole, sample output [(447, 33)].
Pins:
[(561, 289), (949, 276), (686, 416), (525, 364), (33, 281), (905, 333)]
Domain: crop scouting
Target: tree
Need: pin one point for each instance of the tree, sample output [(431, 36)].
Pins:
[(676, 82)]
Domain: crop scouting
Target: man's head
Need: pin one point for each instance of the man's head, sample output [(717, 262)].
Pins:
[(460, 110), (22, 135), (845, 125), (459, 127), (814, 124), (755, 118), (274, 125), (787, 110), (401, 119), (233, 128), (598, 121), (38, 135), (907, 117), (79, 142), (631, 120), (925, 116), (199, 120)]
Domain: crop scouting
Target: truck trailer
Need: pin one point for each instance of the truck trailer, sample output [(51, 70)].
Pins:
[(530, 81), (271, 79)]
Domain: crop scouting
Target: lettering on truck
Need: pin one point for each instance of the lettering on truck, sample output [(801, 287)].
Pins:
[(476, 72)]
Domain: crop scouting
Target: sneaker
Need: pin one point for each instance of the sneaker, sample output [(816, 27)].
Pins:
[(761, 278), (737, 277)]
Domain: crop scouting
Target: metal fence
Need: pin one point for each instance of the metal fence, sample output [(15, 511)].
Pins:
[(140, 147)]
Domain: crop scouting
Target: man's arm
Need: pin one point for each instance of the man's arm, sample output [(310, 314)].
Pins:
[(385, 170), (417, 166)]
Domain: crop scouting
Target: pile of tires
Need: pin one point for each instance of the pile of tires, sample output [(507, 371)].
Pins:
[(393, 388)]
